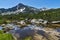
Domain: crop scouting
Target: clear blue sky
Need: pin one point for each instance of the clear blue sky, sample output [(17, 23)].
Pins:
[(33, 3)]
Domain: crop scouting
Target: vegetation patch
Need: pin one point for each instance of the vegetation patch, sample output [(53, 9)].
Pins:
[(5, 36)]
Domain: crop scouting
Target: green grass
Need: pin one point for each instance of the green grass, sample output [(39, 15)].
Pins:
[(1, 21), (5, 36)]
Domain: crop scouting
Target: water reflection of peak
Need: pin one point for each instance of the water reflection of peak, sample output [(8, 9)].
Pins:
[(28, 31)]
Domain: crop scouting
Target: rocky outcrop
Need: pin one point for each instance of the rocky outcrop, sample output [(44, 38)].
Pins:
[(37, 33)]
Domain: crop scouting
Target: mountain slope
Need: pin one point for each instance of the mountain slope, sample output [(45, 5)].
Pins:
[(19, 8)]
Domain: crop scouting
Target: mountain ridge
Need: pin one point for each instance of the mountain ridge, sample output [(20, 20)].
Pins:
[(19, 8)]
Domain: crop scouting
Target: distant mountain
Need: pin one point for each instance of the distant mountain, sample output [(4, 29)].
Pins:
[(19, 8)]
